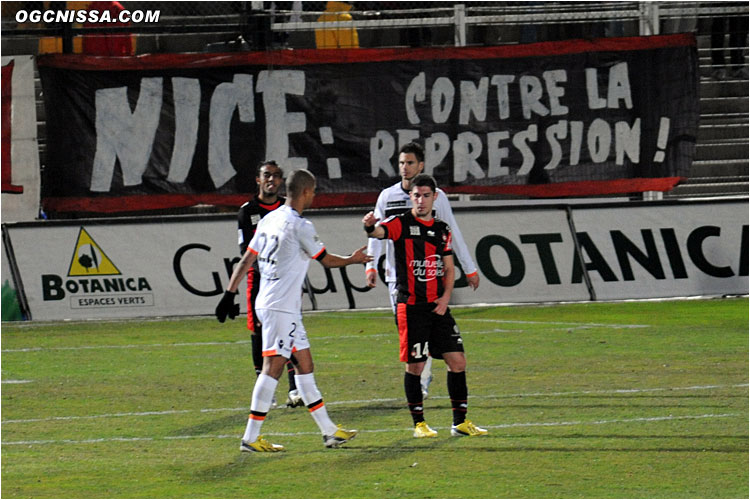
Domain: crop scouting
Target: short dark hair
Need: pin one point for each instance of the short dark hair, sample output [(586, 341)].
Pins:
[(298, 181), (414, 148), (263, 164), (424, 180)]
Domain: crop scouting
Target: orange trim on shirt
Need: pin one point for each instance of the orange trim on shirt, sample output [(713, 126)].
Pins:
[(318, 254)]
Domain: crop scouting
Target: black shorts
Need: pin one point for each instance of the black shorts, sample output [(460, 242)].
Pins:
[(421, 333)]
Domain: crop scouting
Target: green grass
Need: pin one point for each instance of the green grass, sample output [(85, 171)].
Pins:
[(600, 400)]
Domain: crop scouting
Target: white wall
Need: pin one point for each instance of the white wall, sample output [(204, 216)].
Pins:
[(24, 153)]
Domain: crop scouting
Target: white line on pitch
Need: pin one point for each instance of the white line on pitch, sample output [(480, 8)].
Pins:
[(570, 326), (182, 344), (520, 322), (176, 344), (383, 400), (297, 434), (17, 381)]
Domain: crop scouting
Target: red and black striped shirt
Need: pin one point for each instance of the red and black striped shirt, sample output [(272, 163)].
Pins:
[(419, 247), (247, 222)]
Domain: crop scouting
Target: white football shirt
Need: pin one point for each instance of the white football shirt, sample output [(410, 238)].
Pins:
[(284, 243)]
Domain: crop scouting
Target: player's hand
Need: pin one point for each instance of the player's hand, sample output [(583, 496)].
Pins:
[(442, 305), (370, 219), (473, 281), (360, 256), (227, 307), (372, 278)]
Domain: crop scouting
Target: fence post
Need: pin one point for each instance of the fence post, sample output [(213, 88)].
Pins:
[(649, 18), (459, 18), (649, 25)]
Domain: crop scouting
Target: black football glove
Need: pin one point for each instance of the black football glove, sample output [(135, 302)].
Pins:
[(227, 307)]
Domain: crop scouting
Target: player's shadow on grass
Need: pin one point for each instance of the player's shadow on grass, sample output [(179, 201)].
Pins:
[(371, 452), (217, 425), (365, 451)]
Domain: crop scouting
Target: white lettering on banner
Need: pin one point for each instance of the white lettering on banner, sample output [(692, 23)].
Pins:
[(129, 136), (125, 135), (187, 98), (226, 98), (275, 85), (539, 97)]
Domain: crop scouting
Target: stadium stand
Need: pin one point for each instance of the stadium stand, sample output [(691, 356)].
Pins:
[(721, 164)]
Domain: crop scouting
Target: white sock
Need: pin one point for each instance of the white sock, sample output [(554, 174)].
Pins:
[(312, 398), (427, 371), (263, 393)]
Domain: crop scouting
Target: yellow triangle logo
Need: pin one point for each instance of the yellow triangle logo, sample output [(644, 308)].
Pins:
[(89, 259)]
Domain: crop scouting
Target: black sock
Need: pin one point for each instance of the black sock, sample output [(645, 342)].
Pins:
[(459, 395), (414, 397), (257, 344), (290, 375)]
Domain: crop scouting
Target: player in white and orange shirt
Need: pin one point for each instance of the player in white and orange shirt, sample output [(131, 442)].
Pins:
[(283, 245)]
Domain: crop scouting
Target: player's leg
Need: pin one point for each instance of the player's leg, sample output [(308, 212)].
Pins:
[(333, 435), (293, 399), (253, 324), (413, 348), (265, 385), (425, 379), (426, 375), (263, 393), (447, 343)]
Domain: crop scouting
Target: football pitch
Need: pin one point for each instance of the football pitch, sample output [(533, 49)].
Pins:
[(595, 400)]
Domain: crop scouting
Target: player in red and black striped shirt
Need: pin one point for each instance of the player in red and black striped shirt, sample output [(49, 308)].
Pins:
[(425, 275)]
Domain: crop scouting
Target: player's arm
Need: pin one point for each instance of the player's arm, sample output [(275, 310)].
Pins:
[(443, 211), (359, 256), (226, 306), (241, 269), (315, 248), (372, 228), (448, 279), (375, 246)]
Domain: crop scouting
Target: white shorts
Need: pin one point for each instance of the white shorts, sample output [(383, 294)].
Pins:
[(283, 333)]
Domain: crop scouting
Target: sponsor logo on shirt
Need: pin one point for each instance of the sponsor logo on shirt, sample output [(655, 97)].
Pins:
[(429, 268)]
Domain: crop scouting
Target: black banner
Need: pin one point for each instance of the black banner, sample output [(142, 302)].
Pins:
[(572, 118)]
